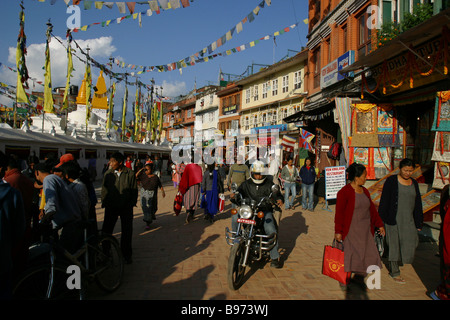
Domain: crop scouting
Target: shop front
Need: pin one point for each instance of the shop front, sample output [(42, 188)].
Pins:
[(401, 86)]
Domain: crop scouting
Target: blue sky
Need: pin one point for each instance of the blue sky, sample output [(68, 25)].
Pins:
[(163, 38)]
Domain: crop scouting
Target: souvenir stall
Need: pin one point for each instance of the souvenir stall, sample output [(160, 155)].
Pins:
[(375, 134), (441, 150)]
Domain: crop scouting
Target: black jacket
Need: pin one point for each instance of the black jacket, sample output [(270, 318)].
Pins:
[(389, 203), (250, 190)]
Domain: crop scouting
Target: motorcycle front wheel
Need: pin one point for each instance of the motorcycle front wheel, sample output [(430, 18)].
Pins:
[(236, 271)]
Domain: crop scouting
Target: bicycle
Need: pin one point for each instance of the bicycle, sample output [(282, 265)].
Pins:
[(99, 259)]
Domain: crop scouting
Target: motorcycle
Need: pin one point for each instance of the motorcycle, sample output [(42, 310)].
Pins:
[(250, 242)]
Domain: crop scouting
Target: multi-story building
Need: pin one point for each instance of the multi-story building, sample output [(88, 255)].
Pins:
[(179, 119), (271, 95), (206, 115), (374, 70), (230, 105)]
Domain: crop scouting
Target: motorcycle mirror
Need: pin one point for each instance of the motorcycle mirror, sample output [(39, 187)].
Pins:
[(275, 188), (234, 187)]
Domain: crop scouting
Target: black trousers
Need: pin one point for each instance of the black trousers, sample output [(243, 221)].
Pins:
[(126, 221)]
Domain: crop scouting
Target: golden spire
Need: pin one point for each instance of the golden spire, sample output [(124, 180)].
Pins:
[(81, 98), (100, 100)]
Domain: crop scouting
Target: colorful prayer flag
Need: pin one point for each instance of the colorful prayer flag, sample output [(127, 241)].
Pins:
[(48, 96)]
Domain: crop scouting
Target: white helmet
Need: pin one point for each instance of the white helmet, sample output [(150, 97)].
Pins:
[(257, 167)]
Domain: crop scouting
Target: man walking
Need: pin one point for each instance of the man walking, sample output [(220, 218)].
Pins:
[(119, 195)]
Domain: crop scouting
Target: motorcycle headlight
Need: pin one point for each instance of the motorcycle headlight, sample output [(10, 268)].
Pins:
[(245, 212)]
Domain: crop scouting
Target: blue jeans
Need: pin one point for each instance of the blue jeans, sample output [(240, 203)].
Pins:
[(289, 187), (269, 228), (308, 192)]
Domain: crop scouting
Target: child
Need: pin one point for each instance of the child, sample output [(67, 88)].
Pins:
[(149, 184)]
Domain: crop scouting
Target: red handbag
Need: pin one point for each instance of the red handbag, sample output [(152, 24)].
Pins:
[(178, 203), (333, 264)]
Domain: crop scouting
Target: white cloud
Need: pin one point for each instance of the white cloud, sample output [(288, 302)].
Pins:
[(173, 89), (101, 50)]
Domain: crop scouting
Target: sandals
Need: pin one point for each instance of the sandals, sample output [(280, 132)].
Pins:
[(399, 279)]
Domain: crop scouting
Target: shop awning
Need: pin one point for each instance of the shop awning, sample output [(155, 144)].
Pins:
[(313, 111), (417, 35)]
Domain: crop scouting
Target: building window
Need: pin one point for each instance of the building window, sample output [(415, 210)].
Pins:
[(316, 65), (285, 84), (247, 95), (275, 87), (274, 117), (255, 93), (344, 38), (189, 113), (297, 80), (387, 11), (328, 42), (265, 89), (364, 38), (246, 123)]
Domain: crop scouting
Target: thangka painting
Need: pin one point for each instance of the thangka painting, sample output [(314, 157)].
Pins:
[(385, 121), (430, 201), (382, 158), (442, 112), (441, 174), (441, 149), (361, 155), (365, 122)]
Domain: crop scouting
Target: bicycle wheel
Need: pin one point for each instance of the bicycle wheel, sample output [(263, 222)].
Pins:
[(108, 263), (34, 284)]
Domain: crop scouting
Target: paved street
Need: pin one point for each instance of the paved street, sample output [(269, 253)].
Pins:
[(178, 261)]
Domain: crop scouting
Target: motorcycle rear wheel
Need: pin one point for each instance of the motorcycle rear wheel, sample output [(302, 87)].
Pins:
[(236, 271)]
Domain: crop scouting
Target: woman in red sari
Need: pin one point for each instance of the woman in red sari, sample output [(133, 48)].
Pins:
[(189, 187)]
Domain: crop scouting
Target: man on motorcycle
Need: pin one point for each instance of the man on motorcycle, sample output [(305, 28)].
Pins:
[(256, 188)]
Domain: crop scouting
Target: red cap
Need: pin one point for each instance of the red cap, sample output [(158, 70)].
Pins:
[(65, 158)]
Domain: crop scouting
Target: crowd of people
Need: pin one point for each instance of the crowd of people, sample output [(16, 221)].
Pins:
[(60, 191)]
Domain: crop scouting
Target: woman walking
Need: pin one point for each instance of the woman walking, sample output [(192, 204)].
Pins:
[(149, 184), (190, 188), (355, 222), (308, 176), (212, 186), (401, 210), (289, 174), (176, 177)]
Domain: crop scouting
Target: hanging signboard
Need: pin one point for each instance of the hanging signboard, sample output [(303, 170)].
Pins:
[(330, 73), (335, 179)]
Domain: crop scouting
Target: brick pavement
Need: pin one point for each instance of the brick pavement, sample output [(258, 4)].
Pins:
[(178, 261)]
